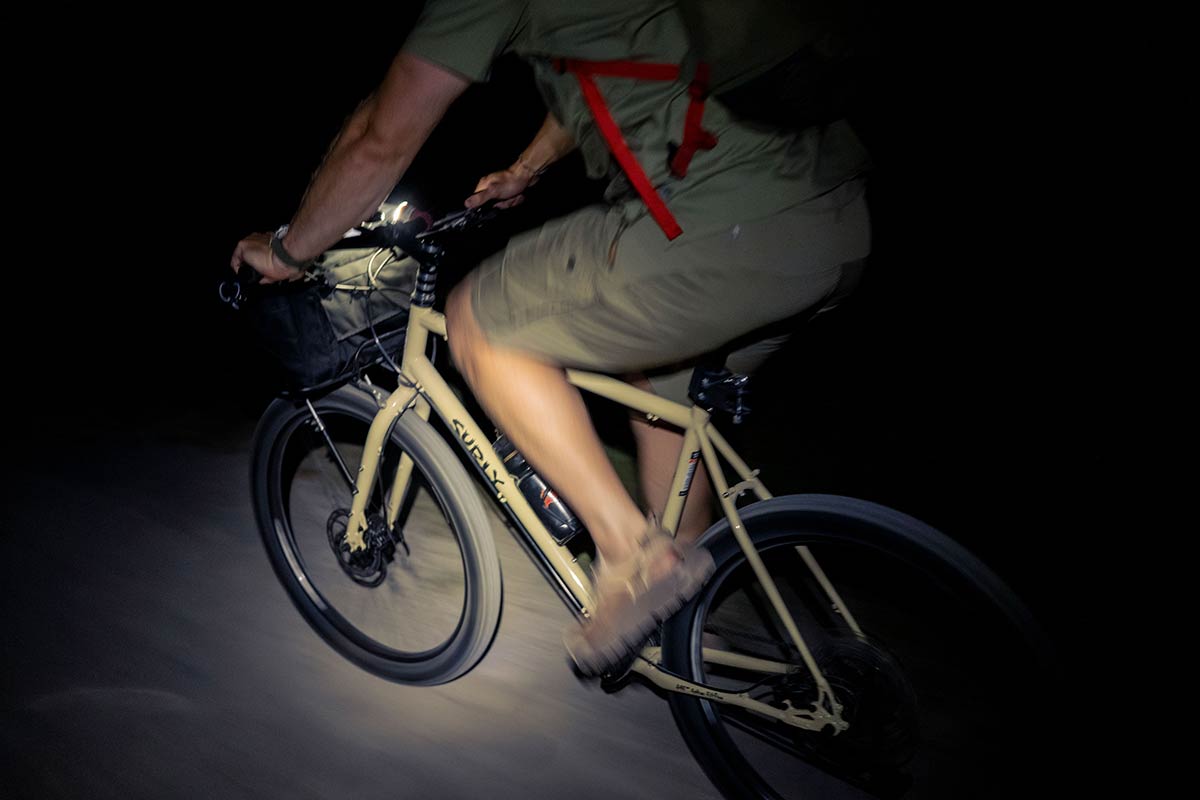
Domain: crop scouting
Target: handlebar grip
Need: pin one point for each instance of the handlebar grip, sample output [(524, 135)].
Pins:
[(233, 290)]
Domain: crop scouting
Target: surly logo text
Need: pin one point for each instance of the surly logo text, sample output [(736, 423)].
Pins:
[(684, 687), (473, 448)]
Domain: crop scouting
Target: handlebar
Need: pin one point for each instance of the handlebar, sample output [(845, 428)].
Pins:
[(407, 228), (235, 290)]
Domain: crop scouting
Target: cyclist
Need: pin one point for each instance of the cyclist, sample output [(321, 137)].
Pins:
[(712, 229)]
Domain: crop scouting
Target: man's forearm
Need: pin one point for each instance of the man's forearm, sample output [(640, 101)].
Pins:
[(353, 180), (371, 154), (551, 143)]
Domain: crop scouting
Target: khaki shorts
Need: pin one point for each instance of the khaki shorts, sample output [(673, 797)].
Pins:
[(585, 292)]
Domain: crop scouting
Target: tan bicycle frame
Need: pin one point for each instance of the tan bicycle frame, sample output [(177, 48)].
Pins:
[(423, 389)]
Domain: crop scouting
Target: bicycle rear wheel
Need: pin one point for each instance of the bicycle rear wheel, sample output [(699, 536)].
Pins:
[(941, 690), (422, 604)]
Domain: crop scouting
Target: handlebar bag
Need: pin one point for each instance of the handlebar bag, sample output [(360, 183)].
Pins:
[(315, 329)]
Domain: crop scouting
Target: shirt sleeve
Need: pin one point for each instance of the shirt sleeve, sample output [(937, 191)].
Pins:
[(465, 36)]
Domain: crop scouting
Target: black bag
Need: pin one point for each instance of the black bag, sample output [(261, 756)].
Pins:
[(353, 303), (791, 64)]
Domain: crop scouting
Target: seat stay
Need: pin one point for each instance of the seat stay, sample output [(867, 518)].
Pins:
[(751, 482), (704, 433)]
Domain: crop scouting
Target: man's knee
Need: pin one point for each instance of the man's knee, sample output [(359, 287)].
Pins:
[(462, 330)]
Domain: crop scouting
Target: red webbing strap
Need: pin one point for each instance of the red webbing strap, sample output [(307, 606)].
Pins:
[(619, 69), (694, 137), (620, 150)]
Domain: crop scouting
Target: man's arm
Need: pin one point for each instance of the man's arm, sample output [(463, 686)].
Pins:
[(551, 143), (363, 164)]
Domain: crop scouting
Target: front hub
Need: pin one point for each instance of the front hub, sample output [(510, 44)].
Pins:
[(366, 566)]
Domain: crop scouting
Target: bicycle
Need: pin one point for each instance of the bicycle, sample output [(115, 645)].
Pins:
[(786, 659)]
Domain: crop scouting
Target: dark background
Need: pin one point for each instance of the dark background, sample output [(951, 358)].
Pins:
[(937, 390), (142, 148)]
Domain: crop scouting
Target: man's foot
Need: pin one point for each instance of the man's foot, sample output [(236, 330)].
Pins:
[(634, 596)]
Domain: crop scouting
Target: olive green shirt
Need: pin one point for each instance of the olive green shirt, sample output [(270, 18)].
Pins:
[(753, 172)]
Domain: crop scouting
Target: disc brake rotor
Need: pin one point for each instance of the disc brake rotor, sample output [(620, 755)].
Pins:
[(878, 703), (367, 566)]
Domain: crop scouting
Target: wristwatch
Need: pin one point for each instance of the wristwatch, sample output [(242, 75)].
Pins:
[(283, 255)]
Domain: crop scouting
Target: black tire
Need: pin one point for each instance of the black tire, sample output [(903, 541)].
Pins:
[(435, 611), (945, 696)]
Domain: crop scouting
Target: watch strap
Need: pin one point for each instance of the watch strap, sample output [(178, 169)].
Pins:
[(282, 254)]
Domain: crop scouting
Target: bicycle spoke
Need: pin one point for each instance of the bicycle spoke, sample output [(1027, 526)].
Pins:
[(928, 691), (762, 605), (333, 451), (399, 612)]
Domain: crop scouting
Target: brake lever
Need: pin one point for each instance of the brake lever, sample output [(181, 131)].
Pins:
[(234, 290), (460, 220)]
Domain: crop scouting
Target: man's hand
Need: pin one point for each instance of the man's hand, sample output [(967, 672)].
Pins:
[(551, 143), (507, 186), (255, 251)]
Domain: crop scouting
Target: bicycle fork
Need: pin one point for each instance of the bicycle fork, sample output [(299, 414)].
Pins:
[(400, 401)]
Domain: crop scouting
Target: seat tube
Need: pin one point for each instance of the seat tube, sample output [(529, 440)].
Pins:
[(685, 470)]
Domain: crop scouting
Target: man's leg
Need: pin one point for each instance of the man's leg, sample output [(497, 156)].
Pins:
[(546, 419), (565, 295), (658, 447), (639, 582)]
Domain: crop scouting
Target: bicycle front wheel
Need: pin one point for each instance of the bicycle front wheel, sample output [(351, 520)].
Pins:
[(939, 676), (421, 604)]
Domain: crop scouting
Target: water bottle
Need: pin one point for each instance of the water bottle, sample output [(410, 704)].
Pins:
[(555, 515)]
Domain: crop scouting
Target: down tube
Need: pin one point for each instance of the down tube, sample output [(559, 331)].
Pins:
[(557, 559)]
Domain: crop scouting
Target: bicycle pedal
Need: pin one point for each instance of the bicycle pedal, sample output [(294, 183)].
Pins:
[(619, 676), (611, 680), (579, 674)]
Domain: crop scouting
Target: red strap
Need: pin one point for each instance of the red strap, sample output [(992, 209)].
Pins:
[(620, 150), (694, 137), (619, 69)]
